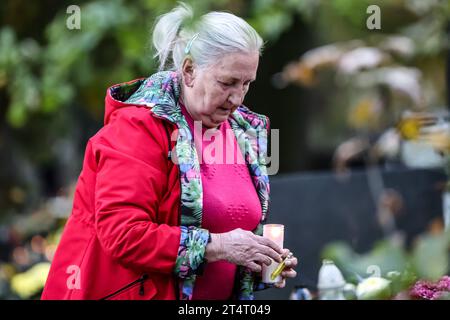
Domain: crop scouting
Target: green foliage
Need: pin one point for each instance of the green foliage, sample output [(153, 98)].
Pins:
[(385, 255), (353, 11), (430, 256), (16, 61)]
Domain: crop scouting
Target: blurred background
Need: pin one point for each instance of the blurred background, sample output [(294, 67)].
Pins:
[(359, 90)]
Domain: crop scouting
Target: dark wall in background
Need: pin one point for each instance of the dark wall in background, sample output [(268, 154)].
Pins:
[(317, 209)]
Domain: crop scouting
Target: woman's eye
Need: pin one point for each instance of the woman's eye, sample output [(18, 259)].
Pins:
[(226, 83)]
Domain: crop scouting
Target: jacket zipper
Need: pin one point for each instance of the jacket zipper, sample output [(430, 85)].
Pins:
[(141, 280)]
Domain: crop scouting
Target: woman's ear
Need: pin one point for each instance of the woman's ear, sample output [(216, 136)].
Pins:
[(188, 72)]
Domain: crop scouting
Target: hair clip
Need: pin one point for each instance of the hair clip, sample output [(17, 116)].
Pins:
[(189, 45)]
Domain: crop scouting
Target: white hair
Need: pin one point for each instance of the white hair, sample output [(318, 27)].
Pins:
[(214, 35)]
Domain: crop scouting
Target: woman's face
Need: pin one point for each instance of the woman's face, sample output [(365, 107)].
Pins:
[(212, 93)]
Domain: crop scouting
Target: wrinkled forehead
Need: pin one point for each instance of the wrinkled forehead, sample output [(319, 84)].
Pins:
[(240, 66)]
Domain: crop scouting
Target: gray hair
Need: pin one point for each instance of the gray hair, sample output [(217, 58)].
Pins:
[(214, 35)]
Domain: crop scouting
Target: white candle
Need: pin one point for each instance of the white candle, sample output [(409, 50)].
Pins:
[(274, 232)]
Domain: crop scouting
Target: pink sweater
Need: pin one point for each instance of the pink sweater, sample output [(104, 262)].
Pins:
[(229, 202)]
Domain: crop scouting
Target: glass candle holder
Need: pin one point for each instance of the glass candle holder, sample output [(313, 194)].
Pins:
[(274, 232)]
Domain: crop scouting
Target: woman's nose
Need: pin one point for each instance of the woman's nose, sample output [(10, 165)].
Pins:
[(235, 99)]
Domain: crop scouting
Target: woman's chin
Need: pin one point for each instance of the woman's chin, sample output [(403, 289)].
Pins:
[(215, 121)]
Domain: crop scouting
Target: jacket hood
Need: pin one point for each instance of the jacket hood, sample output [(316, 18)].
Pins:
[(116, 96), (161, 88)]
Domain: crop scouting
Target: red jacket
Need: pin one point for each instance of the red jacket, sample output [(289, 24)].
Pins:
[(135, 228), (127, 197)]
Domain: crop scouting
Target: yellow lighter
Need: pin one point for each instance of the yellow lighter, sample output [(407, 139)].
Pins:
[(280, 267)]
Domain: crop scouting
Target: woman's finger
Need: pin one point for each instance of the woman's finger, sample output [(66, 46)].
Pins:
[(262, 259), (289, 273), (254, 266), (269, 243), (292, 262), (269, 252), (280, 284), (285, 253)]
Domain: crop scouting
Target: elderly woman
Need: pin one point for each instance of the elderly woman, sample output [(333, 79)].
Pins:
[(152, 218)]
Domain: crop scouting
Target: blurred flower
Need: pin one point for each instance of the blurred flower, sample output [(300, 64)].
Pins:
[(400, 45), (444, 284), (401, 80), (300, 73), (347, 151), (409, 128), (404, 80), (427, 138), (29, 283), (324, 56), (365, 114), (419, 154), (303, 72), (361, 58), (373, 288), (428, 290), (438, 138), (413, 123), (388, 145)]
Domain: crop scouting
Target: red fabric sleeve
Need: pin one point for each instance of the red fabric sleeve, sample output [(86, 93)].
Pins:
[(131, 165)]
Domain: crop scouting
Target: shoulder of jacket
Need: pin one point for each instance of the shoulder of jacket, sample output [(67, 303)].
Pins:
[(140, 116), (134, 121)]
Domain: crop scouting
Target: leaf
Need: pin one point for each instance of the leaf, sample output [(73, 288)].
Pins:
[(430, 256), (16, 114)]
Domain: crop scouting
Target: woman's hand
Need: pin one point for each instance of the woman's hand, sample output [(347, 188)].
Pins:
[(243, 248), (288, 271)]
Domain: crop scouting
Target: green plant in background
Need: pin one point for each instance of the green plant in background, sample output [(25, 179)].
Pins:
[(398, 267)]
